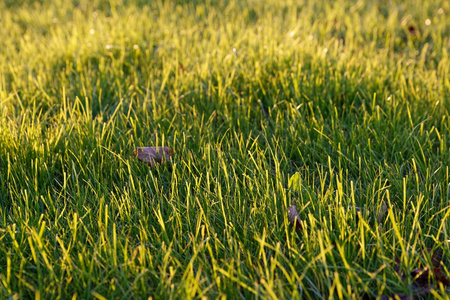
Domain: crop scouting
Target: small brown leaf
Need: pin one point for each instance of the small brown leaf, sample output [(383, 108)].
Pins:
[(382, 212), (440, 277), (153, 155), (294, 218), (421, 276), (412, 30), (439, 274)]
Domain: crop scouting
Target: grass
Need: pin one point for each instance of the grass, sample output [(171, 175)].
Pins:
[(349, 101)]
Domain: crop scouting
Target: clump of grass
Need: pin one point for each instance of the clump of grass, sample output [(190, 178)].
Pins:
[(248, 93)]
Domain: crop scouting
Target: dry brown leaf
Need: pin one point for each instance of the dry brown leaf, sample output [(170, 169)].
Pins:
[(412, 30), (439, 273), (441, 277), (382, 212), (422, 277), (294, 218), (153, 155)]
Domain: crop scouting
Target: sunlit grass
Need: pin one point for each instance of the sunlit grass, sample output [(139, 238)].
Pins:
[(248, 93)]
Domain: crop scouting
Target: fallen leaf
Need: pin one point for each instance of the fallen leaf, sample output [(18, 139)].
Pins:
[(412, 30), (153, 155), (294, 218), (382, 212), (422, 277), (440, 277), (439, 274)]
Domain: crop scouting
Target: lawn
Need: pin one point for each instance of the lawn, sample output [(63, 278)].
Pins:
[(340, 108)]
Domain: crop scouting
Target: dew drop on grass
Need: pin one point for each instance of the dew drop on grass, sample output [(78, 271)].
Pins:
[(428, 22), (92, 31)]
